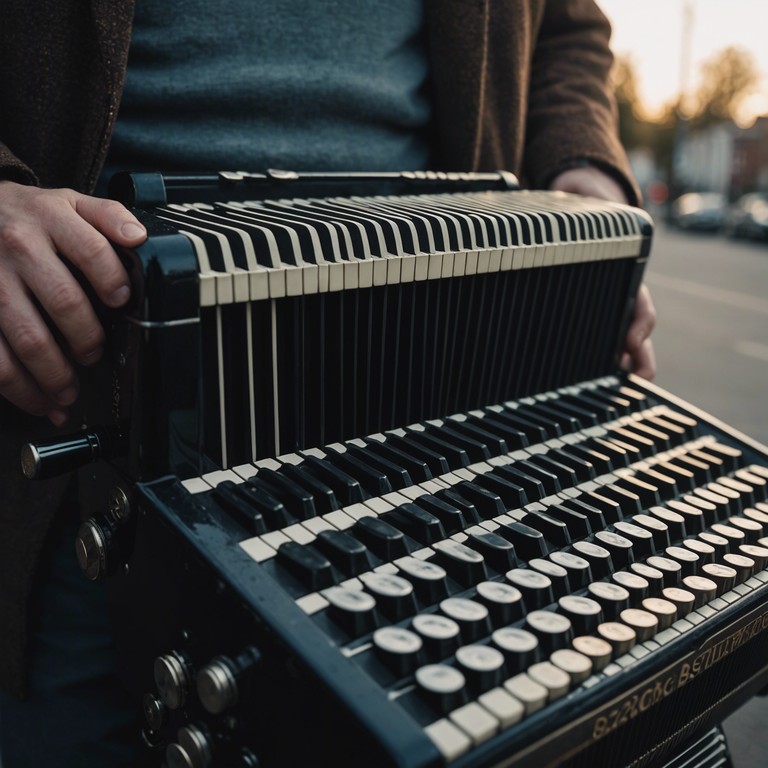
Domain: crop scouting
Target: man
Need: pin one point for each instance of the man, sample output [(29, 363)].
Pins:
[(520, 85)]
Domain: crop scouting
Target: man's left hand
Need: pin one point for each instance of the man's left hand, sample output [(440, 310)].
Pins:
[(638, 354)]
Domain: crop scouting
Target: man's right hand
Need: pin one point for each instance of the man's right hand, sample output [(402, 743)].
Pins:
[(37, 228)]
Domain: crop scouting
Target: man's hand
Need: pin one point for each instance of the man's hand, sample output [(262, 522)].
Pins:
[(37, 228), (638, 350)]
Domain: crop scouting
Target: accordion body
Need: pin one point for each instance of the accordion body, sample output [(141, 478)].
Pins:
[(379, 495)]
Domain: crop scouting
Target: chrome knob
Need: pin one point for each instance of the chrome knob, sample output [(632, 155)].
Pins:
[(91, 547), (192, 750), (172, 678), (216, 686)]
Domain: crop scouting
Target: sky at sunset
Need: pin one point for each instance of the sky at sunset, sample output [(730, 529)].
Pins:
[(651, 33)]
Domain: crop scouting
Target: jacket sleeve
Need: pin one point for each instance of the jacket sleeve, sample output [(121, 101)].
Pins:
[(13, 169), (571, 111)]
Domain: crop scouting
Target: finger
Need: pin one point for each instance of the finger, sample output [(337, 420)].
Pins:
[(17, 386), (111, 218), (84, 242), (33, 345), (645, 361), (643, 323), (65, 302)]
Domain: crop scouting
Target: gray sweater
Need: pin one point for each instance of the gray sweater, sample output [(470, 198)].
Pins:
[(277, 83)]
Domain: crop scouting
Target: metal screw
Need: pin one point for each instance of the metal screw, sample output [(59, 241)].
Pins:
[(118, 504)]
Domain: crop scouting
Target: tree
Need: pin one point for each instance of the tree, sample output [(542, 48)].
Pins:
[(726, 79)]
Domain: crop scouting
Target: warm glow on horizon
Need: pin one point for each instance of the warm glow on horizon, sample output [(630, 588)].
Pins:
[(651, 35)]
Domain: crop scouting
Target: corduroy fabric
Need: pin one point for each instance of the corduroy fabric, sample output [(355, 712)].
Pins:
[(62, 65)]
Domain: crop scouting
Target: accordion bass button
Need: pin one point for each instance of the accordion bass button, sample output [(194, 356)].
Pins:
[(222, 682), (192, 750), (172, 673)]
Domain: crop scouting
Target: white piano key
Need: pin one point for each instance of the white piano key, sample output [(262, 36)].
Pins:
[(450, 741), (258, 549)]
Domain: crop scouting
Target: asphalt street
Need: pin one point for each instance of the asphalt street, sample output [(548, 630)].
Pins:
[(711, 343)]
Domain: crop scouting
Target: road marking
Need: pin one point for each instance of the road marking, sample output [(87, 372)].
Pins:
[(753, 349), (701, 291)]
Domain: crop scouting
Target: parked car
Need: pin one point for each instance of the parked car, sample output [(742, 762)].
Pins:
[(748, 217), (699, 211)]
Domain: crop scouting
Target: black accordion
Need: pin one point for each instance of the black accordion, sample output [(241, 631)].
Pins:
[(372, 490)]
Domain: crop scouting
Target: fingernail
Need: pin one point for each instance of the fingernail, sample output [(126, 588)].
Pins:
[(58, 418), (131, 230), (67, 396), (120, 296)]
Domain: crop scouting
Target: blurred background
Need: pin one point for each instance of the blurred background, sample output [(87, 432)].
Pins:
[(691, 81)]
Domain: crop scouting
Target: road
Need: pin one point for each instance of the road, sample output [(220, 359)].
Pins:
[(711, 342)]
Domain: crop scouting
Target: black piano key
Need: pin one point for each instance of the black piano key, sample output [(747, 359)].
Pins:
[(383, 539), (647, 493), (565, 474), (577, 523), (683, 478), (487, 503), (583, 414), (643, 445), (555, 531), (511, 494), (583, 468), (513, 438), (325, 498), (466, 507), (628, 501), (600, 460), (551, 409), (533, 487), (348, 554), (239, 508), (494, 444), (275, 514), (700, 470), (613, 400), (533, 431), (548, 479), (475, 449), (455, 455), (498, 552), (582, 506), (297, 500), (435, 460), (417, 523), (310, 567), (449, 515), (397, 476), (528, 542), (600, 410), (661, 440), (416, 467), (617, 455), (546, 421), (372, 480), (463, 564), (610, 507), (346, 487)]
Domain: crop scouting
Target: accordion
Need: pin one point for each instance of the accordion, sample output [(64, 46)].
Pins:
[(373, 491)]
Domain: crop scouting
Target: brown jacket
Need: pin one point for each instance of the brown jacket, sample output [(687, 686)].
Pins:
[(517, 84)]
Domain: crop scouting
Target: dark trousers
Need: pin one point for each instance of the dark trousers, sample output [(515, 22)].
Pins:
[(77, 714)]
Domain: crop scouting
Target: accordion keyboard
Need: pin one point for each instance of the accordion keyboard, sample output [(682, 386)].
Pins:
[(483, 567)]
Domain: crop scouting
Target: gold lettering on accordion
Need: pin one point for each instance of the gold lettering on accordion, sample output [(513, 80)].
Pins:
[(694, 664)]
